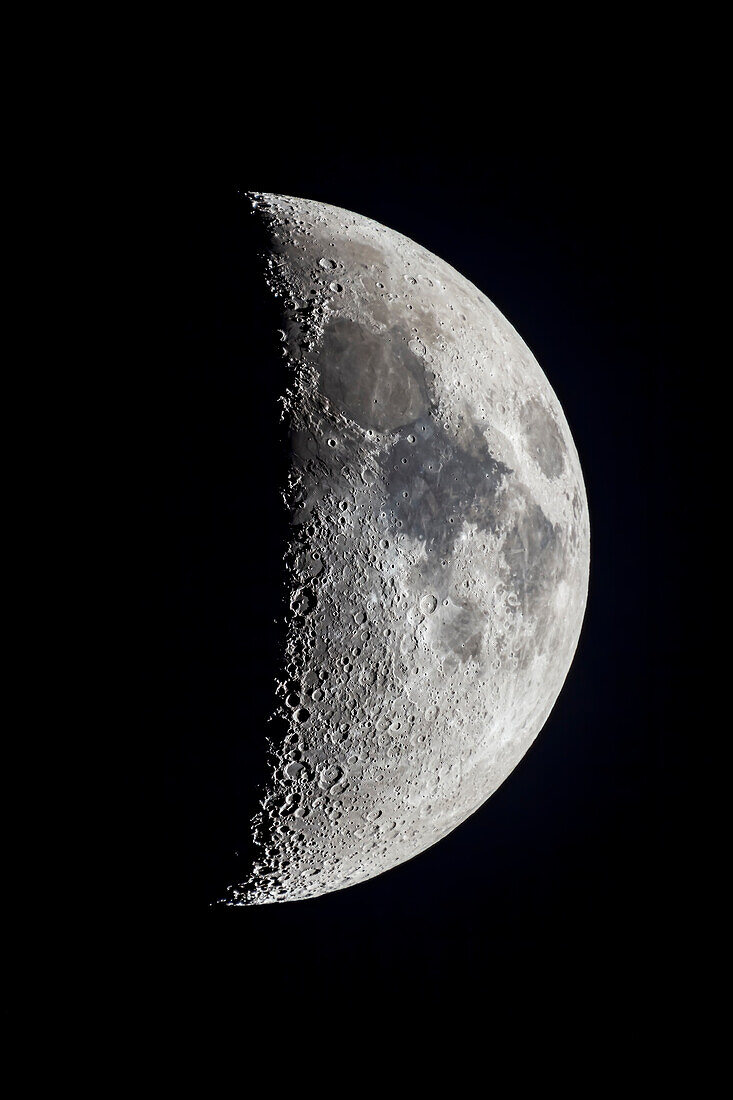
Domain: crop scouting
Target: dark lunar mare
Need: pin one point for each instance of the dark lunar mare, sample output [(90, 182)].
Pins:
[(224, 585), (434, 484)]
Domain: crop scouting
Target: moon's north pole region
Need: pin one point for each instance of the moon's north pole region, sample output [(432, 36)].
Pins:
[(438, 561)]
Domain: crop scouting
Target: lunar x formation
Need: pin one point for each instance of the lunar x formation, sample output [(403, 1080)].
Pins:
[(435, 567)]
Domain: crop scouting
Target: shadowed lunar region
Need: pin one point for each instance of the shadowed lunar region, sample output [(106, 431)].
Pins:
[(437, 566)]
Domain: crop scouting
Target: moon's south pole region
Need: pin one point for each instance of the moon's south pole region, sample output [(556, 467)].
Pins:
[(437, 557)]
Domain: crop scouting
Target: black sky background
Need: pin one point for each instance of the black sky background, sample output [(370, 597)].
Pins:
[(595, 852)]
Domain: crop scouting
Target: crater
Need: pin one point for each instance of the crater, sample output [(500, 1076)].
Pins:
[(460, 631)]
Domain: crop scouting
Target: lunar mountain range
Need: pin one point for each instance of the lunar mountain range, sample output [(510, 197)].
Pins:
[(437, 562)]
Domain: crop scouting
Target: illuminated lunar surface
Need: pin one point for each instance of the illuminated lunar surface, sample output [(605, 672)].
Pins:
[(438, 565)]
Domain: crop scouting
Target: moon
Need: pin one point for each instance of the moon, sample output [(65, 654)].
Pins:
[(438, 558)]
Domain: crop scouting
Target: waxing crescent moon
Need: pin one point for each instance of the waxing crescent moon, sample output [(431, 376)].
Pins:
[(437, 569)]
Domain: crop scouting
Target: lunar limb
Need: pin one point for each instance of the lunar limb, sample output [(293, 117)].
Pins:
[(438, 566)]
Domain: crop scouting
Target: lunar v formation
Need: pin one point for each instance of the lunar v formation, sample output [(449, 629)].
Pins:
[(436, 567)]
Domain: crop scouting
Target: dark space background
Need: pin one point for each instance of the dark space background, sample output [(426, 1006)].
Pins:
[(594, 857)]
